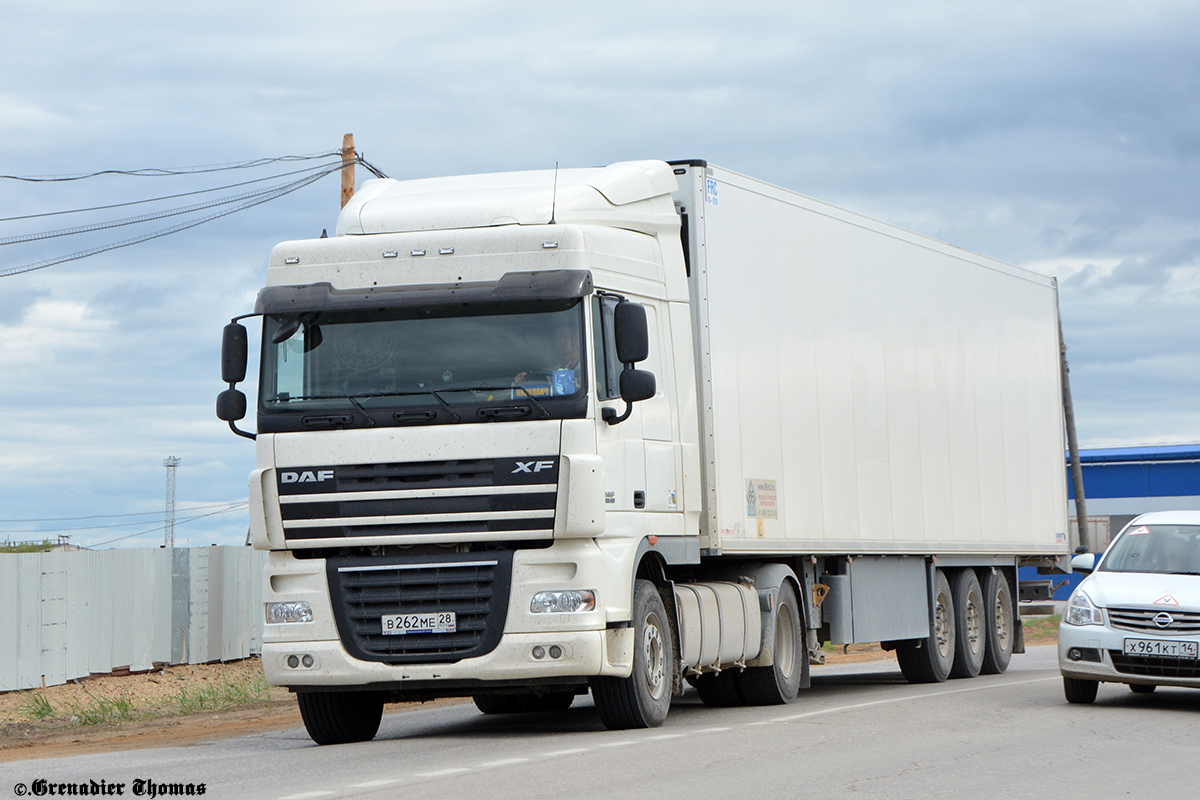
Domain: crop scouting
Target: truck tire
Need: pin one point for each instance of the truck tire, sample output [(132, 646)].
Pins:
[(1080, 690), (779, 682), (524, 703), (930, 660), (643, 699), (970, 624), (720, 689), (998, 608), (340, 717)]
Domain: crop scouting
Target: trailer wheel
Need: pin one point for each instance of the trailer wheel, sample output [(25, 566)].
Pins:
[(643, 699), (970, 624), (779, 682), (1080, 690), (998, 607), (524, 703), (719, 689), (930, 660), (340, 717)]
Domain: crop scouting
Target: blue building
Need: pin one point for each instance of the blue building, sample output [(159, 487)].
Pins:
[(1121, 482)]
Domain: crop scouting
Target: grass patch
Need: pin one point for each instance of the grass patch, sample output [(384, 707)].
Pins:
[(36, 707), (222, 695), (1041, 628), (100, 709)]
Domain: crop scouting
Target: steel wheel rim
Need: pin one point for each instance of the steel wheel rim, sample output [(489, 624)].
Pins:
[(785, 642), (974, 622), (1003, 620), (942, 627), (654, 656)]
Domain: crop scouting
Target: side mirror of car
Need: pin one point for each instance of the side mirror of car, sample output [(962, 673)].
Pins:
[(631, 332), (1083, 563), (233, 354)]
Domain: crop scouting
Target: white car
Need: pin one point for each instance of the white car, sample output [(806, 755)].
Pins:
[(1136, 618)]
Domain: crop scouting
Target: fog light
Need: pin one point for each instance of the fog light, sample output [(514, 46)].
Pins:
[(293, 661), (1074, 654), (565, 602), (539, 652), (555, 651), (278, 613), (307, 661)]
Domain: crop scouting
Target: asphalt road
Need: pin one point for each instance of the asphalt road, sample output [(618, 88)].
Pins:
[(860, 731)]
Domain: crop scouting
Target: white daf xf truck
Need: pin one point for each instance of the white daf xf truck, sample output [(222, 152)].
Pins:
[(527, 435)]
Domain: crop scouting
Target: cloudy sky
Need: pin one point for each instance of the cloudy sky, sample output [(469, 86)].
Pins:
[(1063, 137)]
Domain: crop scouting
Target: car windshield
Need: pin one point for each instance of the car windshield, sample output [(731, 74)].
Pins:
[(1164, 549), (465, 363)]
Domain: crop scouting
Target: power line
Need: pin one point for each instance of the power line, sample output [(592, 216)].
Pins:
[(171, 212), (221, 507), (117, 516), (165, 197), (161, 528), (287, 189), (156, 172)]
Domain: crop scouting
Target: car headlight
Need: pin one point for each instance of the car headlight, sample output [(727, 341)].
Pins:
[(288, 612), (566, 602), (1082, 611)]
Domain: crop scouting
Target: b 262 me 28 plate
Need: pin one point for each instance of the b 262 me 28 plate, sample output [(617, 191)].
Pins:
[(436, 622)]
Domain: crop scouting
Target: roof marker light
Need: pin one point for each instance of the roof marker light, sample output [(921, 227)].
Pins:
[(390, 254), (292, 260), (417, 253), (549, 245), (446, 251)]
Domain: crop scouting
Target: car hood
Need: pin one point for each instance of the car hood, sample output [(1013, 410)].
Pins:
[(1143, 590)]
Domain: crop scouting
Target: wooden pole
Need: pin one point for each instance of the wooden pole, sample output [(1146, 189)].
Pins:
[(347, 168)]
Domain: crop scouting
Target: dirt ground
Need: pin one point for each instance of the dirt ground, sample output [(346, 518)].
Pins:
[(155, 717)]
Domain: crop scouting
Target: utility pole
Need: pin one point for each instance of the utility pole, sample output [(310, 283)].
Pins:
[(348, 157), (1085, 535), (169, 531)]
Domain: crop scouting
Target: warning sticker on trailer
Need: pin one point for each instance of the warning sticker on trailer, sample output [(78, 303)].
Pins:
[(762, 501)]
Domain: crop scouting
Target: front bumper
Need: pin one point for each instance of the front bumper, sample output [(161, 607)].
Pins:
[(581, 654), (1099, 656)]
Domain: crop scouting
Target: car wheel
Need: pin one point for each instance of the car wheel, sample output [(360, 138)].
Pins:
[(1080, 690)]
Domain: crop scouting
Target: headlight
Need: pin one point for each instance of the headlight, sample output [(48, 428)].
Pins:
[(1081, 611), (288, 612), (565, 602)]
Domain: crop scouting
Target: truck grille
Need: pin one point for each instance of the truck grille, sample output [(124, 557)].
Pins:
[(419, 502), (1155, 667), (475, 586), (1143, 620)]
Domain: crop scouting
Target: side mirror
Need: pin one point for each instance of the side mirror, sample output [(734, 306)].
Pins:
[(637, 385), (233, 354), (231, 405), (631, 332), (1083, 563)]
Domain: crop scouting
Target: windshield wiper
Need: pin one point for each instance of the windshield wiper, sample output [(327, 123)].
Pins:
[(542, 412), (454, 416)]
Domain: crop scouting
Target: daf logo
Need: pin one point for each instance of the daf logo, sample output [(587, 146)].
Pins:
[(1163, 620), (532, 466), (306, 477)]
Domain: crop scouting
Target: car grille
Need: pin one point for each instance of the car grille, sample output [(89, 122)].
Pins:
[(1142, 620), (419, 502), (475, 586), (1155, 667)]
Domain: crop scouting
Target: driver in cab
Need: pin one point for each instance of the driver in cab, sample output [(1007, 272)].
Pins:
[(563, 375)]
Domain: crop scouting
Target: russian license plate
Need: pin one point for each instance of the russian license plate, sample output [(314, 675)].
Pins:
[(437, 622), (1158, 647)]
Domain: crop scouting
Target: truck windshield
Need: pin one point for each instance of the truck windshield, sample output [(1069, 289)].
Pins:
[(1165, 549), (471, 362)]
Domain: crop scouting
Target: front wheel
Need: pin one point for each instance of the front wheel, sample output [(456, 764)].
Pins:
[(643, 699), (340, 717), (1080, 690)]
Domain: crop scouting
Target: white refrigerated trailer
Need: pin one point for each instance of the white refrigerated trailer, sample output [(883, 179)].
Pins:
[(525, 435)]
